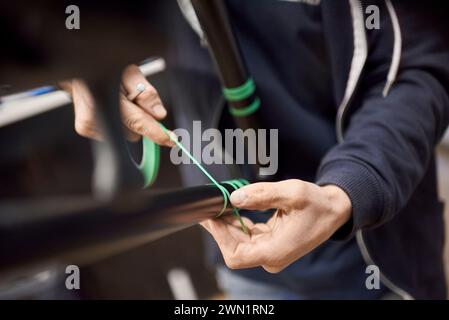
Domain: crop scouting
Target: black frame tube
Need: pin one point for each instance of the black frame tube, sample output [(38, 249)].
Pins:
[(79, 228), (223, 46)]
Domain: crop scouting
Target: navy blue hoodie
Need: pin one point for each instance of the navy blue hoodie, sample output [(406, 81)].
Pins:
[(390, 90)]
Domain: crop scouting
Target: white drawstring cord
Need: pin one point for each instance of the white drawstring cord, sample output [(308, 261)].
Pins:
[(397, 48)]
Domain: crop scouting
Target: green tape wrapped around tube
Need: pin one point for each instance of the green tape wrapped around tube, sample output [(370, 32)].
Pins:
[(240, 93), (243, 112), (224, 191), (149, 166)]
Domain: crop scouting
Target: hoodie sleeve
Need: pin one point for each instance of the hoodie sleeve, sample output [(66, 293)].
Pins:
[(389, 141)]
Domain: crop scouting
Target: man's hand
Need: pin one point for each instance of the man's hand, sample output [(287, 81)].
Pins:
[(306, 216), (140, 116)]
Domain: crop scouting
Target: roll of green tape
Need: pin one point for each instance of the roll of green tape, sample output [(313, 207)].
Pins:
[(149, 166)]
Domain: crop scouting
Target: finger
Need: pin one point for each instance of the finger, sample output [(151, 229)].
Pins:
[(131, 136), (236, 229), (279, 261), (205, 225), (233, 220), (148, 99), (66, 85), (234, 225), (254, 228), (217, 228), (84, 108), (138, 121), (87, 129), (236, 247), (269, 195)]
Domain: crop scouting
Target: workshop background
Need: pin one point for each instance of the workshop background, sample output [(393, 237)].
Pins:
[(39, 159)]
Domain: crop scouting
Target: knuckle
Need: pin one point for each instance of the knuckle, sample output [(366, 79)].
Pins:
[(295, 187), (130, 69), (231, 264), (135, 124), (84, 127), (232, 261), (273, 269), (151, 91), (158, 139), (297, 193), (162, 139), (274, 264)]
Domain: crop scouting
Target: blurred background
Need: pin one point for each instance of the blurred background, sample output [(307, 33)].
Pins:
[(43, 156)]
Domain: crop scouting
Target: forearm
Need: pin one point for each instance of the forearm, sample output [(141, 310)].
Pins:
[(387, 148)]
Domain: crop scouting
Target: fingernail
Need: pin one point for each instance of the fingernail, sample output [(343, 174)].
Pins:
[(159, 110), (238, 197)]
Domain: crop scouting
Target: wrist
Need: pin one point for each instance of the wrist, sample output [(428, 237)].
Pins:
[(340, 203)]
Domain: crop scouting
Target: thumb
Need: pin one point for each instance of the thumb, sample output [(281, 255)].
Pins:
[(267, 195)]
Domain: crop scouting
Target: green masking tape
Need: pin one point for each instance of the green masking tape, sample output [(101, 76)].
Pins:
[(231, 183), (243, 112), (224, 191), (240, 93), (149, 166), (237, 184)]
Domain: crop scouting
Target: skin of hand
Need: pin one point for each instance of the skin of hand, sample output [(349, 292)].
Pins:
[(139, 116), (306, 216)]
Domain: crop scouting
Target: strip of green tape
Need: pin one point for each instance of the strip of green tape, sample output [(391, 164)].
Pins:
[(243, 112), (240, 93), (224, 191), (237, 184)]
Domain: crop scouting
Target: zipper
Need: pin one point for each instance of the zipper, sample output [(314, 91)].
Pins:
[(357, 65)]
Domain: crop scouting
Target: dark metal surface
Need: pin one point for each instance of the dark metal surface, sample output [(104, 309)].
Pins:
[(119, 215), (84, 229)]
